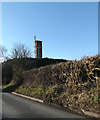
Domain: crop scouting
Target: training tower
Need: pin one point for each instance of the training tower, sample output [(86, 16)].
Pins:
[(38, 48)]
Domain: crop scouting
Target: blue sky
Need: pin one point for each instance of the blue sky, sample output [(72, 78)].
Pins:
[(68, 30)]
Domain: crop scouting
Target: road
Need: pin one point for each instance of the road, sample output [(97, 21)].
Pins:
[(17, 107)]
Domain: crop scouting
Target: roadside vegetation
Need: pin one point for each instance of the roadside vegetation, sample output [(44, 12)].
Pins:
[(69, 84), (12, 69)]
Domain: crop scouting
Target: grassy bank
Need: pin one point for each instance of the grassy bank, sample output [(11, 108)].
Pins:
[(71, 84)]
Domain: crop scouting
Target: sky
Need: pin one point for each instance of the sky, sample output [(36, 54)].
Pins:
[(69, 30)]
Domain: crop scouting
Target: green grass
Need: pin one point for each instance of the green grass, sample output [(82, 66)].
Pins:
[(21, 90), (10, 87), (30, 91)]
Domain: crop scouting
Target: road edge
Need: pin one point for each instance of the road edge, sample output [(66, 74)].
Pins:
[(95, 115), (31, 98), (87, 113)]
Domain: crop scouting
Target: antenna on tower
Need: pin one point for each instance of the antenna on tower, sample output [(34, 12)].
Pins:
[(35, 38)]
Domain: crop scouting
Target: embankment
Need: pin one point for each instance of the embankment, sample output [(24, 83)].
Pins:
[(71, 84)]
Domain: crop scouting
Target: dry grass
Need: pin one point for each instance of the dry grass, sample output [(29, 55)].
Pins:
[(72, 84)]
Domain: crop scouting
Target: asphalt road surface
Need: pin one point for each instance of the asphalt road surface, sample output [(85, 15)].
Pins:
[(17, 107)]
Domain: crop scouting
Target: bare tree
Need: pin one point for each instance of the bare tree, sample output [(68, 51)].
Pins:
[(20, 51), (3, 51)]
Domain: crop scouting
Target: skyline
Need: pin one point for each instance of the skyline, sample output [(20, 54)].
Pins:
[(66, 29)]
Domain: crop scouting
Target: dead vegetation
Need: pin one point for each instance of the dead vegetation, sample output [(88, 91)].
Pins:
[(72, 84)]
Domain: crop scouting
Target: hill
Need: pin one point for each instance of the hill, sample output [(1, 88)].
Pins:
[(68, 84), (11, 67)]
